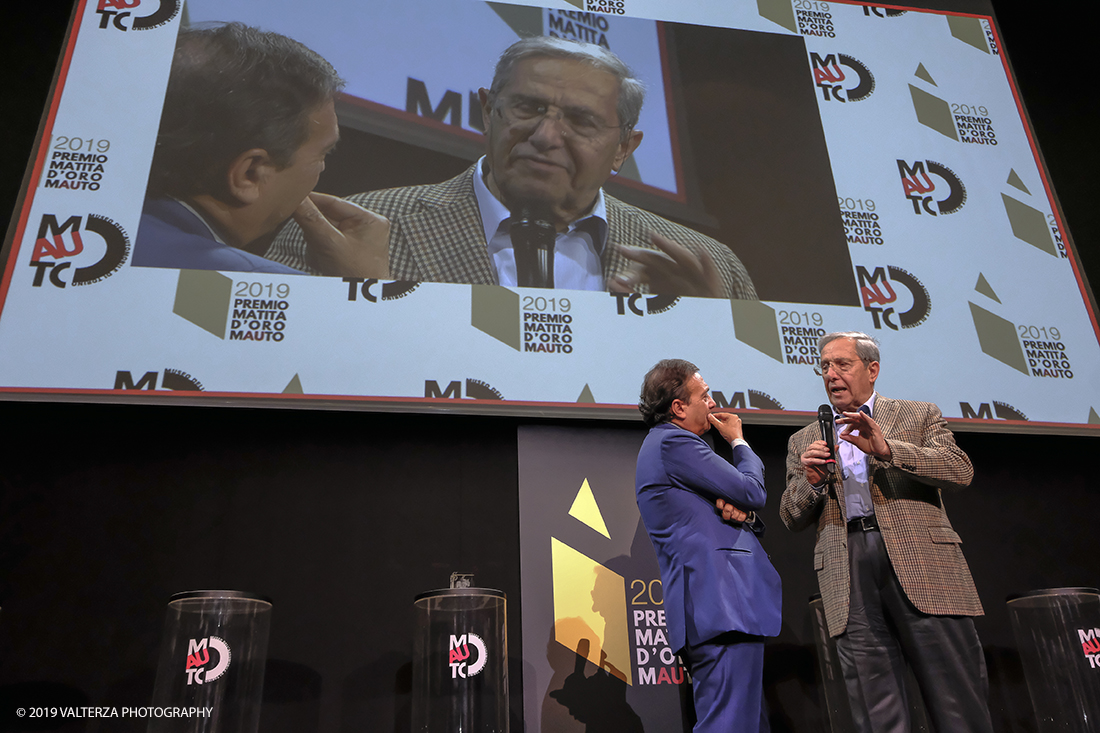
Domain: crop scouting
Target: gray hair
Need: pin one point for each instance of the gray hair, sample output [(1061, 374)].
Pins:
[(631, 88), (866, 346)]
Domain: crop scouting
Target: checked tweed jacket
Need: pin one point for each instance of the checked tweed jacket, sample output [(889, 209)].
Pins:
[(923, 547), (436, 236)]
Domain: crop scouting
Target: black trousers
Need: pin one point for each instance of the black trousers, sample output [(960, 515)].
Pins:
[(884, 631)]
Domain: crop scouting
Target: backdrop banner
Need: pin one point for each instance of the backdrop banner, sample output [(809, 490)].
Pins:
[(595, 651), (871, 167)]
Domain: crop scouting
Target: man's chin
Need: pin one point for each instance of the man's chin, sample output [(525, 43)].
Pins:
[(543, 196)]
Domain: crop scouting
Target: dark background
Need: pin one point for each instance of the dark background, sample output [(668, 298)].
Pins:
[(343, 517)]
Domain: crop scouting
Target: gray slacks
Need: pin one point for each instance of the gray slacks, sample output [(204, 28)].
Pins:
[(885, 631)]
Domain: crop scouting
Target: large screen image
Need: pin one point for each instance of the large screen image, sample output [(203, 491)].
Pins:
[(797, 167)]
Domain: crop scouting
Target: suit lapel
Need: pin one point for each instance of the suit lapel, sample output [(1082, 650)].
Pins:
[(445, 236), (885, 414), (621, 229)]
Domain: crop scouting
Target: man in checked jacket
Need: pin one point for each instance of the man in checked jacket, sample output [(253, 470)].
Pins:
[(893, 579)]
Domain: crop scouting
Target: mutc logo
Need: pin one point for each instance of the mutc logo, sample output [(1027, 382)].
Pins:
[(390, 290), (64, 244), (1002, 410), (198, 669), (475, 390), (1090, 645), (916, 180), (467, 656), (880, 299), (880, 12), (173, 379), (830, 78), (757, 400), (118, 14), (653, 303)]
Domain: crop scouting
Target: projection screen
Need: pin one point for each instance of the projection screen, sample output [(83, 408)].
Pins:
[(870, 166)]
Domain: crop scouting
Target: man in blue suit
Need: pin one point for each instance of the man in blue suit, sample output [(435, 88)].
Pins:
[(249, 117), (722, 595)]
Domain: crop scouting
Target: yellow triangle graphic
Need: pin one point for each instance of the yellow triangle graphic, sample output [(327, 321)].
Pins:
[(585, 509)]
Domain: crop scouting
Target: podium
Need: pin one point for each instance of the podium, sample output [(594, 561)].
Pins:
[(1057, 631), (460, 662)]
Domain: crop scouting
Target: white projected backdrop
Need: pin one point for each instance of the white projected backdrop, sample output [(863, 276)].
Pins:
[(956, 244)]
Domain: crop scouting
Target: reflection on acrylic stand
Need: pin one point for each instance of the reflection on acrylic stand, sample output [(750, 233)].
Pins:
[(210, 676), (460, 660), (1057, 631)]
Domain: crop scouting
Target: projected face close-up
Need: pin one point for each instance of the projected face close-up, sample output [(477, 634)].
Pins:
[(286, 188), (565, 147)]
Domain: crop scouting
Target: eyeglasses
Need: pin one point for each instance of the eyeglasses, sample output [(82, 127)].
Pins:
[(842, 366), (521, 111)]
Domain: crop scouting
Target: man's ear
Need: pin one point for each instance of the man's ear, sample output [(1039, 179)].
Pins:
[(626, 147), (247, 173), (678, 409), (486, 107)]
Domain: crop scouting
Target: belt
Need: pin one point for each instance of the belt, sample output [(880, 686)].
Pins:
[(863, 524)]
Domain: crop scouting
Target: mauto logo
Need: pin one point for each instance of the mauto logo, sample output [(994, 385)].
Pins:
[(467, 655), (202, 666), (121, 16), (60, 246), (1090, 645), (475, 390), (634, 302), (881, 300), (927, 182), (855, 85)]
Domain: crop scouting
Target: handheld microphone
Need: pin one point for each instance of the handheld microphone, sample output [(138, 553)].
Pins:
[(828, 432), (533, 238)]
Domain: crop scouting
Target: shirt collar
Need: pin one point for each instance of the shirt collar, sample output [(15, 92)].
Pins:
[(494, 213), (198, 215)]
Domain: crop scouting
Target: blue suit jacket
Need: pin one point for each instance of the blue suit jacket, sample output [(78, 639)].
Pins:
[(171, 236), (716, 576)]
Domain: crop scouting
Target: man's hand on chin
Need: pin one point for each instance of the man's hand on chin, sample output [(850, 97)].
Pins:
[(672, 269), (343, 238), (728, 425)]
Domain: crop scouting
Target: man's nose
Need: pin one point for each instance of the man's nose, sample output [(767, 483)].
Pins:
[(549, 131)]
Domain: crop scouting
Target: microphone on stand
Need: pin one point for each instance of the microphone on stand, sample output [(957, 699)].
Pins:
[(828, 432), (533, 237)]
